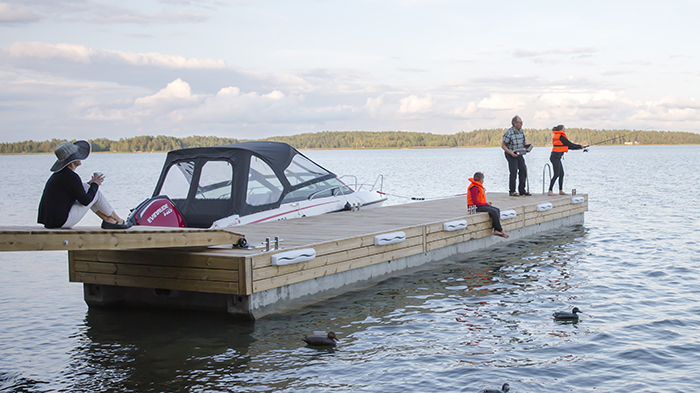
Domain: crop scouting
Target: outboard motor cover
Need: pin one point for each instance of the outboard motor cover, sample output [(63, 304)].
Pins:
[(158, 211)]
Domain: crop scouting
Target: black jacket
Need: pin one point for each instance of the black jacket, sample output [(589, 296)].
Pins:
[(60, 193)]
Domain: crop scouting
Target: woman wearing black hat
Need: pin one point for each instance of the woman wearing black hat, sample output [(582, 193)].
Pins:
[(66, 199)]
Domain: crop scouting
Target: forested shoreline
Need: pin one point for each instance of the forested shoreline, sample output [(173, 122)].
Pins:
[(370, 140)]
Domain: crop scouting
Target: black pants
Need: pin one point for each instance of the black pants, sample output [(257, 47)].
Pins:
[(516, 167), (555, 159), (495, 214)]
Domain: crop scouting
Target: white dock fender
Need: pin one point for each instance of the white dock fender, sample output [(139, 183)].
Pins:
[(544, 206), (577, 199), (389, 238), (454, 225), (293, 256), (506, 214)]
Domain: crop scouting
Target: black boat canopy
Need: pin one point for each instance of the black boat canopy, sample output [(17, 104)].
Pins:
[(209, 183)]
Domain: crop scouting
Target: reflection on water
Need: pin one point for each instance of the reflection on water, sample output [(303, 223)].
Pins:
[(489, 309), (159, 351)]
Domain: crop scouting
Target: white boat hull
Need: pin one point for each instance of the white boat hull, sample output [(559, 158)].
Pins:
[(307, 208)]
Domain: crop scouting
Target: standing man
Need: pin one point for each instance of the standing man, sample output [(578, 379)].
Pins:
[(515, 147)]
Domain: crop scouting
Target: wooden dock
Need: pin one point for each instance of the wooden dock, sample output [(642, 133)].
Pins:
[(22, 238), (247, 282)]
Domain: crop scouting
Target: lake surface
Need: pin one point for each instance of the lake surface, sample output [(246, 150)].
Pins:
[(633, 269)]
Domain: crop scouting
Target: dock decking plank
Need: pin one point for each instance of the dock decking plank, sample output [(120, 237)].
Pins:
[(19, 238)]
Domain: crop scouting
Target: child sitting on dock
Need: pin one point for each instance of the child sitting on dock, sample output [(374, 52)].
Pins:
[(476, 196)]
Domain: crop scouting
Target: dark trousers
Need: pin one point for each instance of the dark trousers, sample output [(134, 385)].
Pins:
[(516, 167), (495, 214), (558, 168)]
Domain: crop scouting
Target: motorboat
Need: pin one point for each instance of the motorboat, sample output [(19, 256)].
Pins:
[(247, 183)]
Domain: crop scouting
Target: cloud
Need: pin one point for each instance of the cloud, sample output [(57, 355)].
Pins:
[(175, 93), (412, 104), (659, 114), (322, 56), (465, 112), (110, 13), (373, 104), (502, 102), (414, 70), (574, 52), (673, 102), (230, 107), (588, 99), (150, 70), (608, 72), (49, 89), (175, 107), (15, 16), (30, 51), (556, 56), (506, 81)]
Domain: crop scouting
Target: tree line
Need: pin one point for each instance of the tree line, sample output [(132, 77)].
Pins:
[(370, 140)]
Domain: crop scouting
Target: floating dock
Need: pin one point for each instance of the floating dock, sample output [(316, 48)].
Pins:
[(315, 257)]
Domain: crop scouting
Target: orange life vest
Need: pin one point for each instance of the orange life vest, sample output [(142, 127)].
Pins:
[(480, 197), (557, 145)]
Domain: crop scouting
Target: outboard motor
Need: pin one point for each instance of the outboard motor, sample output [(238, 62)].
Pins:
[(158, 211)]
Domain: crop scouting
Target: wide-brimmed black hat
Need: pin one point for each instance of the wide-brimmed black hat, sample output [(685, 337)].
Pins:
[(67, 152)]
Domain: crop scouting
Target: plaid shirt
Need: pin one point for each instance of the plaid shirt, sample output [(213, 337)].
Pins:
[(514, 139)]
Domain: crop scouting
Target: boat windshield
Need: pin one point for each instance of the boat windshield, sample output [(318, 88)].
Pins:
[(301, 170), (263, 185), (215, 180), (177, 180), (326, 188)]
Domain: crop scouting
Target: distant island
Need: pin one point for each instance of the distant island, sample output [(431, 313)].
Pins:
[(371, 140)]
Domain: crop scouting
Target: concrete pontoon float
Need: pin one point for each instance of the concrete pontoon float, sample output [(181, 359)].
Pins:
[(295, 262)]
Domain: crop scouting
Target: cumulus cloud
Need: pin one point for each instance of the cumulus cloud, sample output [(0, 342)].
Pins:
[(590, 99), (373, 104), (465, 112), (502, 102), (176, 93), (661, 114), (673, 102), (176, 107), (412, 104), (667, 111)]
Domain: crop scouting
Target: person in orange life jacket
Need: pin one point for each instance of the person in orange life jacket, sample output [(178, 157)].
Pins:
[(66, 199), (476, 196), (560, 145)]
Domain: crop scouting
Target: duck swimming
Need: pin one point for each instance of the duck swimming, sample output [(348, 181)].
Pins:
[(567, 316), (505, 388), (328, 340)]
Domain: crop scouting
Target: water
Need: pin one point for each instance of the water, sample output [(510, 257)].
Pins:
[(458, 325)]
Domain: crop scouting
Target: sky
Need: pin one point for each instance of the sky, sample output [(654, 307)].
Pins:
[(83, 69)]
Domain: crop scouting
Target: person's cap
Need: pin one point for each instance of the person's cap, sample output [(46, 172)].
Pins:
[(67, 152)]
